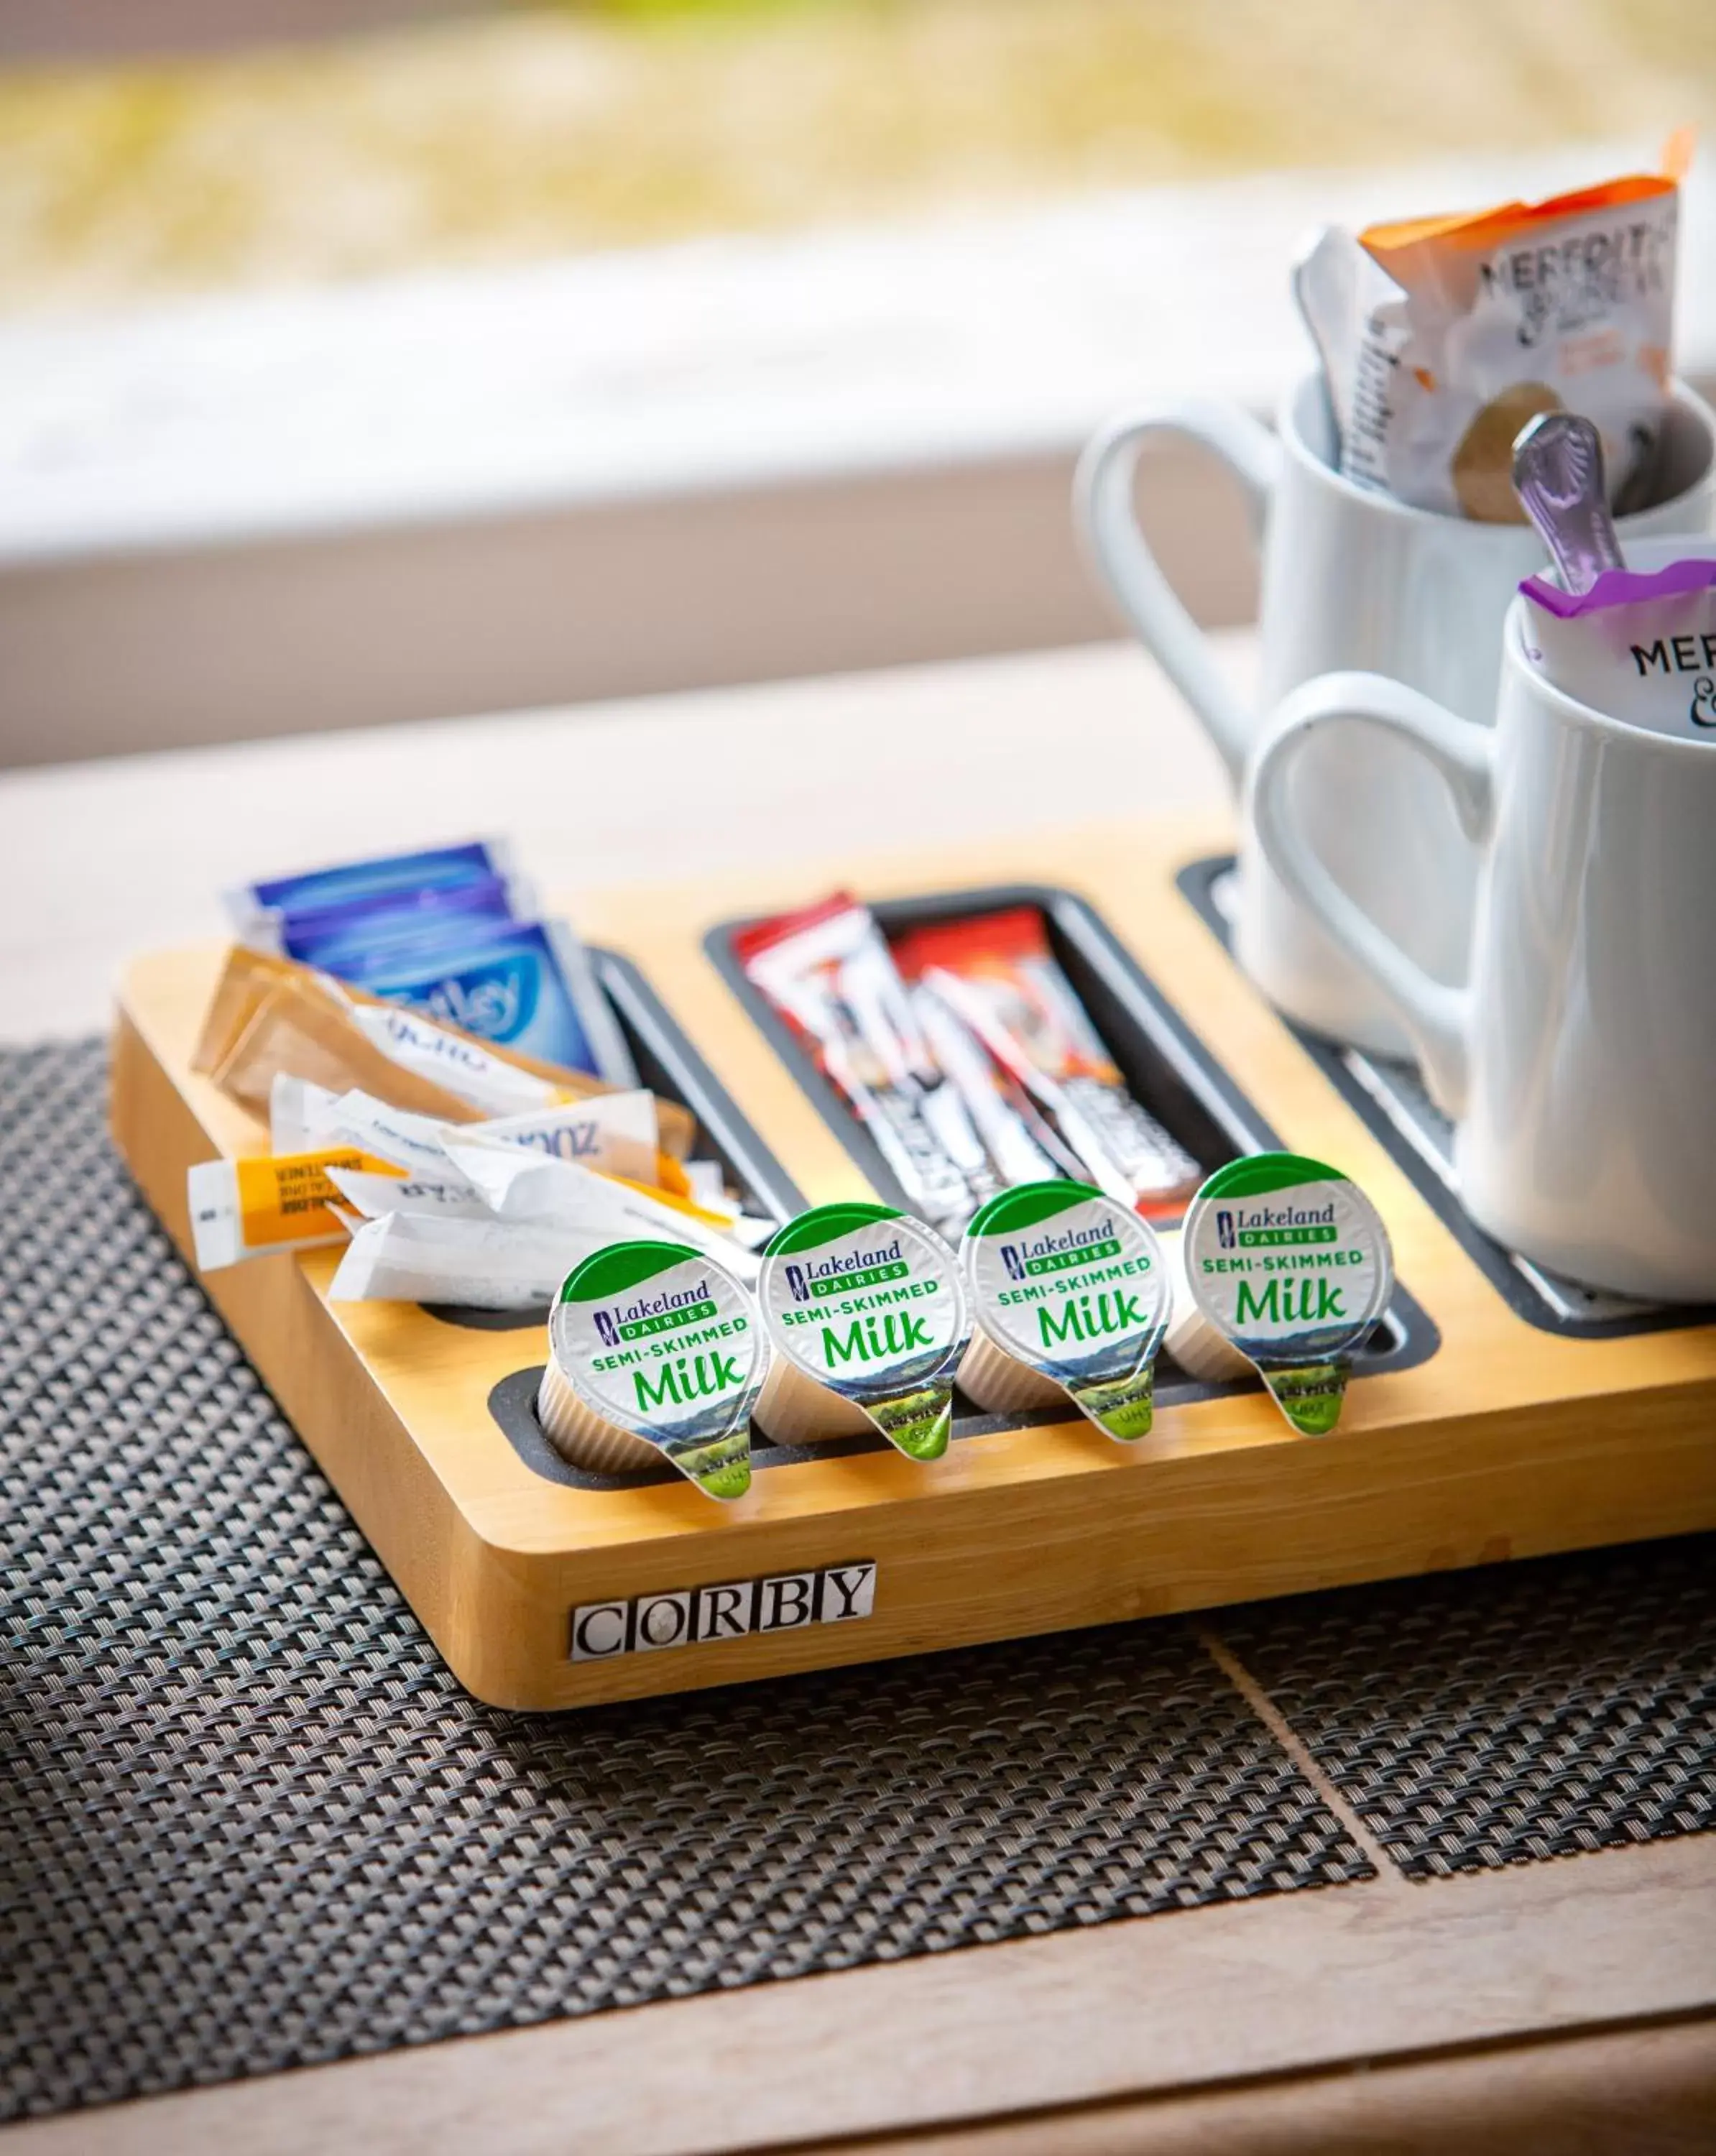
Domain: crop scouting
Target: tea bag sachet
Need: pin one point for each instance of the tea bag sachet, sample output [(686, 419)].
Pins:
[(447, 1196), (1461, 328), (299, 1112), (419, 1178), (867, 1312), (617, 1133), (1070, 1299), (452, 931), (271, 1015), (268, 1016), (537, 1190), (527, 986), (1639, 645), (1289, 1260), (265, 912), (654, 1353), (422, 1256)]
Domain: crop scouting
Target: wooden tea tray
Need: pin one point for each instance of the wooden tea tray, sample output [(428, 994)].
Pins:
[(1507, 1441)]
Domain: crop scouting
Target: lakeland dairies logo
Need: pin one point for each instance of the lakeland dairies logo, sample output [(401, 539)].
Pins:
[(814, 1279), (1265, 1227), (1059, 1252), (645, 1314)]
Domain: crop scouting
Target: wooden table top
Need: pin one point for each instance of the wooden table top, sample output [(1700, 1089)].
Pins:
[(99, 861), (1561, 2006)]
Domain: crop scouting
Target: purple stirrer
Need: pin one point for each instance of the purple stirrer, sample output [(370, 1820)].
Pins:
[(1558, 476)]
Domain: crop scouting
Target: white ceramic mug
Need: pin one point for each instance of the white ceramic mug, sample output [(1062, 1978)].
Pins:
[(1578, 1055), (1351, 578)]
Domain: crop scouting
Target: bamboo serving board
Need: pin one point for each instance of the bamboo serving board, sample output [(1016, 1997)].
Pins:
[(1505, 1442)]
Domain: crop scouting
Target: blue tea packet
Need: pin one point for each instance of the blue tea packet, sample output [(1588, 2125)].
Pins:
[(323, 937), (354, 883), (523, 984)]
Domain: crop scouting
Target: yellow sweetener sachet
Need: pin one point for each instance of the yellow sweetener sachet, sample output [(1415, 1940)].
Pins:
[(252, 1207)]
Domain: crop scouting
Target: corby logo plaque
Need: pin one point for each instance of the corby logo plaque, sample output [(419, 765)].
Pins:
[(693, 1616)]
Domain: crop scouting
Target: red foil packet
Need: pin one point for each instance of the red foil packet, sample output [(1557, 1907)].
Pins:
[(997, 971), (828, 971)]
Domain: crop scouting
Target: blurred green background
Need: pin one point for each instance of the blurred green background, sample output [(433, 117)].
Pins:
[(517, 132)]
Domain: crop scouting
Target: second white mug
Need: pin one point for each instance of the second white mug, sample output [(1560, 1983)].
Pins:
[(1352, 578), (1578, 1055)]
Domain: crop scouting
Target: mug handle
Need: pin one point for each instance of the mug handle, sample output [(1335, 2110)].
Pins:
[(1102, 506), (1436, 1018)]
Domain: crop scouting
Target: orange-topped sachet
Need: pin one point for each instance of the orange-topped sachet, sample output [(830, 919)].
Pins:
[(1466, 326)]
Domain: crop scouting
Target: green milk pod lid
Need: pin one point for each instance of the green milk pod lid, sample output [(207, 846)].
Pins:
[(661, 1342), (1073, 1285), (870, 1303), (1289, 1259)]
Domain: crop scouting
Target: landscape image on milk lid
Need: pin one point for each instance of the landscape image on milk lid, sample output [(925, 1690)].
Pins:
[(1073, 1284), (1289, 1259), (870, 1303), (658, 1338)]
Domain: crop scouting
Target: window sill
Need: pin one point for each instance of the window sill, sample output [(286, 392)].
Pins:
[(719, 461)]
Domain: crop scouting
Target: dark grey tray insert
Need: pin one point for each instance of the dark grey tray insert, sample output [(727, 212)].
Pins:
[(1167, 1067)]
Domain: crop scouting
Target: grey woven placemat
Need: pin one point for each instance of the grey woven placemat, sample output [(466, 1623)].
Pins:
[(247, 1820), (1493, 1717)]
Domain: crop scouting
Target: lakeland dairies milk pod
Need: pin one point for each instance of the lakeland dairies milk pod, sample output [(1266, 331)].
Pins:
[(1289, 1259), (867, 1315), (1070, 1297), (654, 1353)]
